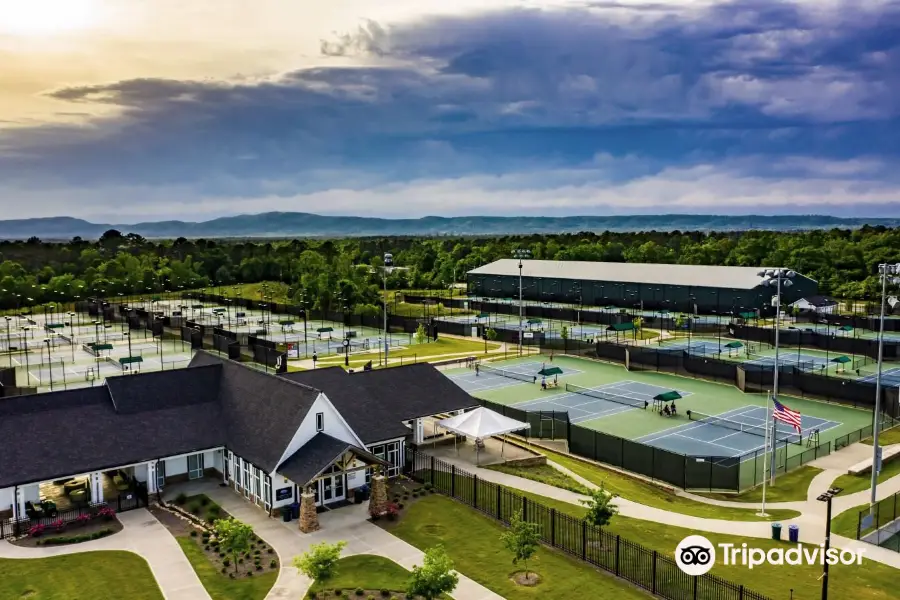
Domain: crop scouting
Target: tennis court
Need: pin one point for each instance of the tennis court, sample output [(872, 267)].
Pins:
[(491, 378), (702, 347), (731, 433), (585, 404), (889, 377), (805, 361)]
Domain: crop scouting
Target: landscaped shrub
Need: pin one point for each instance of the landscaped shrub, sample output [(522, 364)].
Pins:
[(259, 567), (221, 555), (270, 551), (311, 595), (180, 499), (206, 547), (37, 530), (83, 519), (273, 564), (371, 597), (194, 509), (428, 487), (359, 591), (204, 501), (337, 591), (193, 533), (385, 593), (224, 570), (226, 562), (77, 539), (106, 513), (231, 575), (240, 561), (249, 573), (400, 506), (59, 525)]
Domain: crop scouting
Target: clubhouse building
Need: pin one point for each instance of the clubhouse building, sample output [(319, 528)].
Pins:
[(269, 437)]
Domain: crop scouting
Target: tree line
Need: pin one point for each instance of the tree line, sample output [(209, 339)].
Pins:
[(347, 274)]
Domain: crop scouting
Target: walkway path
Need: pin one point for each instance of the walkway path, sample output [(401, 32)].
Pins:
[(143, 535), (348, 524)]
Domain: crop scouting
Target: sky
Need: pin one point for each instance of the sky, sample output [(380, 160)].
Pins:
[(146, 110)]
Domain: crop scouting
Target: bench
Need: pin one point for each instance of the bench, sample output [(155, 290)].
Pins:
[(865, 466)]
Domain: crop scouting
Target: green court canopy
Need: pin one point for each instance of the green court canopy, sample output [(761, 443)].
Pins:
[(747, 315), (620, 327), (534, 321), (846, 328), (546, 371), (668, 396), (285, 322), (127, 360), (733, 345), (484, 315), (324, 329), (841, 360)]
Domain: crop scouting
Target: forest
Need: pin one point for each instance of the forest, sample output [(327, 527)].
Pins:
[(325, 273)]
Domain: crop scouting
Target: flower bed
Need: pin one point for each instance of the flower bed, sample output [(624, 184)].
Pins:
[(83, 528)]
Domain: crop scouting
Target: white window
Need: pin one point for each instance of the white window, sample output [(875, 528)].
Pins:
[(246, 479), (257, 483), (229, 464), (320, 421), (195, 466), (238, 462), (267, 492)]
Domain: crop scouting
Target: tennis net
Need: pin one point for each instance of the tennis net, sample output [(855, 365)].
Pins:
[(760, 430), (90, 349), (505, 373), (605, 396), (114, 362)]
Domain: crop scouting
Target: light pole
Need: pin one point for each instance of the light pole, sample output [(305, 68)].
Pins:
[(887, 272), (776, 278), (49, 362), (521, 254), (9, 342), (388, 263), (826, 497)]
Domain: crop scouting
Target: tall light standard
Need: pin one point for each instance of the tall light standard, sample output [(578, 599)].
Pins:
[(776, 278), (521, 254), (49, 362), (388, 263), (8, 341), (888, 273)]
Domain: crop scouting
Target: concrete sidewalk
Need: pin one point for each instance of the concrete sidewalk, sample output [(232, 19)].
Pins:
[(143, 535), (347, 524)]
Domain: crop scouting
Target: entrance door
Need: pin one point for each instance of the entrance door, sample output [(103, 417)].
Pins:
[(195, 466), (333, 488)]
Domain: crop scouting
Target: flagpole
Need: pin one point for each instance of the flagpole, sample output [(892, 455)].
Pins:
[(762, 512)]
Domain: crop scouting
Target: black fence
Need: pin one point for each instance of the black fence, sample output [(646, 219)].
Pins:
[(13, 528), (646, 568), (880, 524)]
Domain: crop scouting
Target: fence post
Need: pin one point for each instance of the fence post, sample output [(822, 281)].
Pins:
[(618, 539), (475, 491), (584, 540), (524, 508), (432, 470), (499, 503), (741, 593), (653, 590), (453, 481), (696, 580), (553, 527)]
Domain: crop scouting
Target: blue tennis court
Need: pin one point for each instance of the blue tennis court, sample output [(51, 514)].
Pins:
[(790, 358), (484, 379), (702, 347), (723, 438), (889, 377), (582, 407)]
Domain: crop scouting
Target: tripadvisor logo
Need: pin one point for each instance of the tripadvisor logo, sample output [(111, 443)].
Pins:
[(696, 555)]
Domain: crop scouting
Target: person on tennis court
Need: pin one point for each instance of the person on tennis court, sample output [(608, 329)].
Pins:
[(476, 369), (666, 411), (543, 382), (673, 408)]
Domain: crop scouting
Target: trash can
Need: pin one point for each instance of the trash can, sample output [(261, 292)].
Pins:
[(794, 533), (286, 513), (776, 531), (295, 510)]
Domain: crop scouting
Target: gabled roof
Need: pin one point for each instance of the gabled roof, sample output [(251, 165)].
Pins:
[(318, 454), (818, 301), (374, 403), (164, 389), (47, 436)]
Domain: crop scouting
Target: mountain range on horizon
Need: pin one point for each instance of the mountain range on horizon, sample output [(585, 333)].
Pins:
[(292, 224)]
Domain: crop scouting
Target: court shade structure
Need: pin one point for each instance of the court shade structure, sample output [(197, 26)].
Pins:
[(548, 371), (734, 345), (669, 396), (621, 327), (482, 423)]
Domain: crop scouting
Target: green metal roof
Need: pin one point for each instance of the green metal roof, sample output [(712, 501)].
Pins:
[(621, 327)]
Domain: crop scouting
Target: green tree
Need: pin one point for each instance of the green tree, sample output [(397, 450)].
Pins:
[(564, 334), (320, 561), (421, 334), (600, 507), (234, 537), (522, 539), (434, 577)]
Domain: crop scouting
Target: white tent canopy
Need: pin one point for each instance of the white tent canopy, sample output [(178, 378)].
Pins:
[(481, 423)]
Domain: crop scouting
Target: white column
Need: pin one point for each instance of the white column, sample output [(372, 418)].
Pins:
[(419, 432), (96, 487), (224, 464), (151, 477), (20, 503)]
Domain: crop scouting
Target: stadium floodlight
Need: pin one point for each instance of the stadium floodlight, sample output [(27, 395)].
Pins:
[(777, 278), (889, 274), (521, 254), (388, 265)]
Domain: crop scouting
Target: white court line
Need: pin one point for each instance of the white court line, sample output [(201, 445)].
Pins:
[(737, 450)]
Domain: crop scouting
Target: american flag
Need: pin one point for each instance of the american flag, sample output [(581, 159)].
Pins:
[(786, 415)]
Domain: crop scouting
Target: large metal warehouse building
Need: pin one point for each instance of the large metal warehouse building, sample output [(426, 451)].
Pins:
[(677, 288)]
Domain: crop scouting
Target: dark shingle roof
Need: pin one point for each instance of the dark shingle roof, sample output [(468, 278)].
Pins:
[(164, 389), (375, 403), (317, 455), (47, 436)]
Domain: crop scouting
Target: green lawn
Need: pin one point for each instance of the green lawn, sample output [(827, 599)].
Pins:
[(857, 483), (368, 572), (221, 587), (103, 575), (891, 436), (870, 581), (422, 352), (645, 493), (544, 474), (790, 487), (473, 541)]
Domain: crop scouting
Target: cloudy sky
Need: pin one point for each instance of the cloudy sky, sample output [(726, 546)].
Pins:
[(123, 110)]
